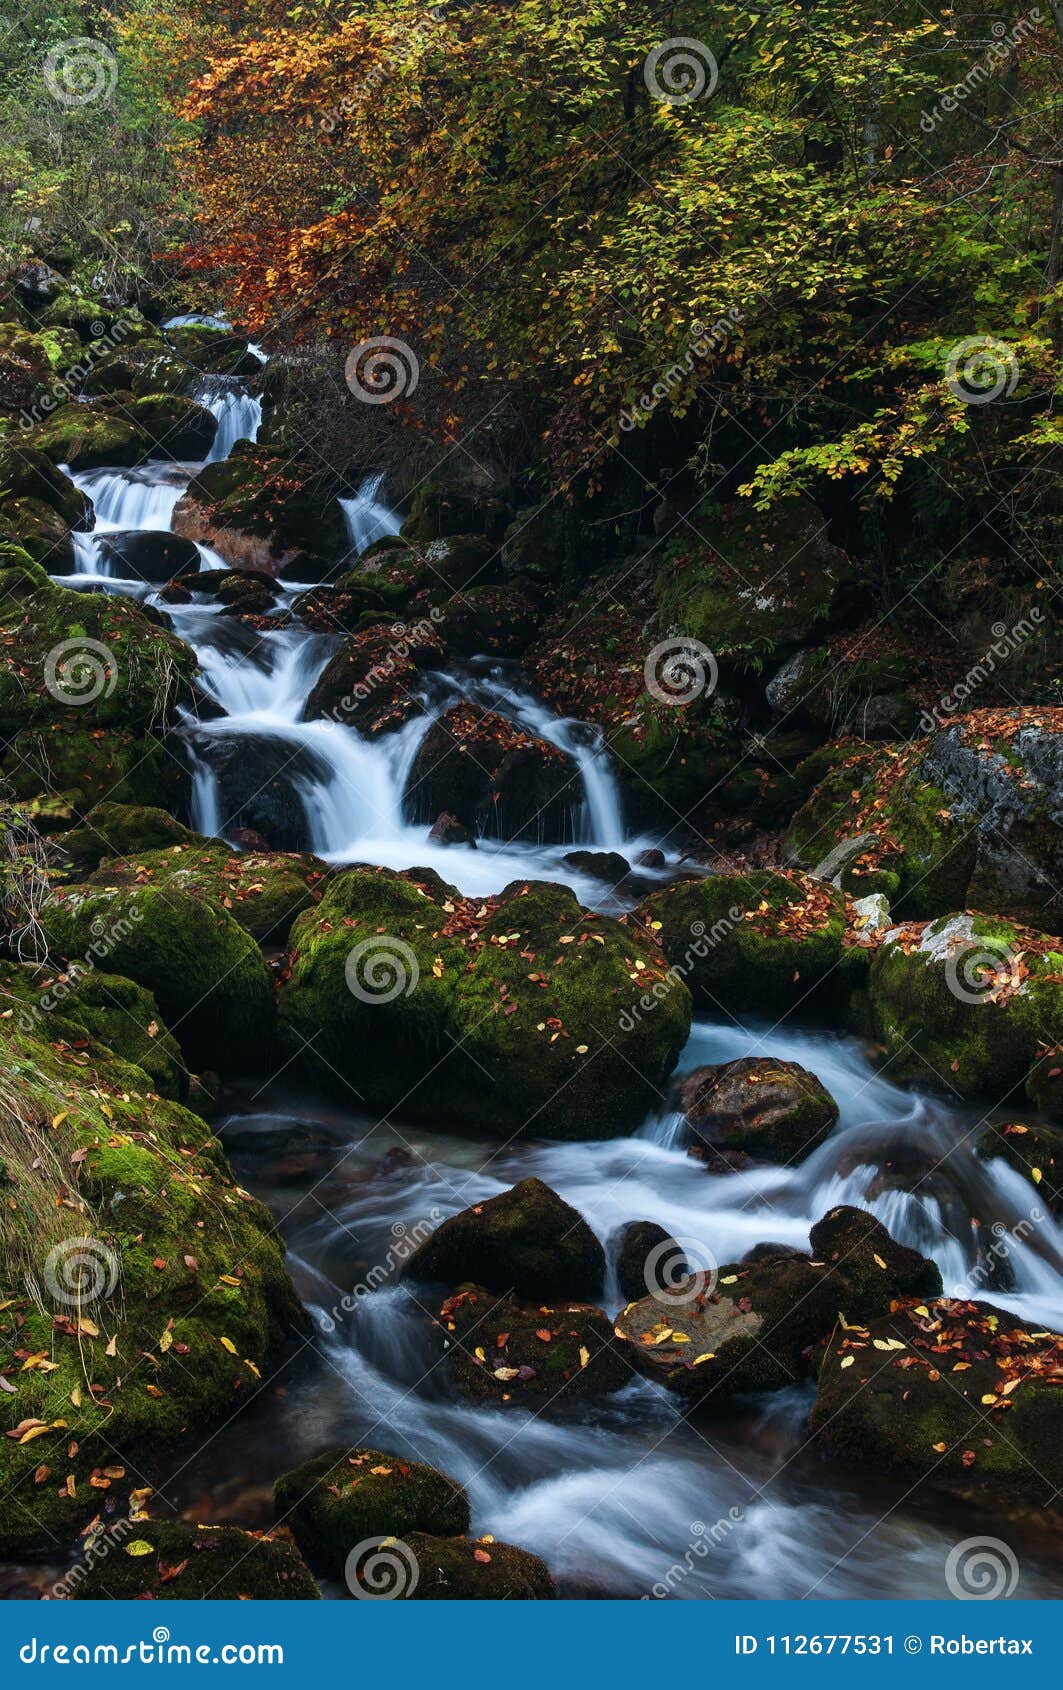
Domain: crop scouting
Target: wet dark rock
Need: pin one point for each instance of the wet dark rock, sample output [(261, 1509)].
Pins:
[(526, 1241), (763, 1105), (651, 858), (461, 1569), (447, 830), (644, 1248), (493, 776), (246, 839), (532, 1355), (344, 1496), (607, 866), (149, 554), (372, 682)]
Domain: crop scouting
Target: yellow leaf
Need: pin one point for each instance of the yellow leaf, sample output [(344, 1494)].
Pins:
[(253, 1368), (140, 1546), (57, 1120), (584, 1355), (847, 1361), (166, 1340), (112, 1347), (228, 1344), (88, 1327), (880, 1262), (710, 1355)]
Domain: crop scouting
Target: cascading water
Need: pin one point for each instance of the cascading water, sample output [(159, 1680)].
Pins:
[(614, 1500), (239, 412)]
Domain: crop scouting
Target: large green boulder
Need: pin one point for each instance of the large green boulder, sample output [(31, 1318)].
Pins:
[(762, 1106), (176, 426), (205, 971), (505, 1015), (532, 1355), (758, 941), (89, 692), (454, 1569), (966, 1004), (527, 1241), (344, 1496), (25, 473), (89, 438), (172, 1561), (118, 830), (260, 510), (959, 1395), (40, 531)]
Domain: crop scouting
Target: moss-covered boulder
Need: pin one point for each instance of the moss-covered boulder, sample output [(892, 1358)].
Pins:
[(40, 531), (750, 585), (142, 1293), (114, 1013), (89, 691), (461, 1569), (176, 426), (217, 350), (169, 1560), (756, 1325), (263, 891), (763, 1105), (25, 367), (89, 438), (494, 777), (540, 1356), (372, 681), (118, 830), (757, 941), (958, 1394), (344, 1496), (26, 473), (502, 1014), (966, 1004), (260, 510), (526, 1242), (204, 969)]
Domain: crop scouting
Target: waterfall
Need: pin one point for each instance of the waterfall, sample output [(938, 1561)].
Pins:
[(367, 517), (239, 412)]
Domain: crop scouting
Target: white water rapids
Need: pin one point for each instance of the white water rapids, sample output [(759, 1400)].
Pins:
[(617, 1496)]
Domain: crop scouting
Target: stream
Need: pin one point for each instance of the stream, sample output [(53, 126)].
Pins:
[(620, 1494)]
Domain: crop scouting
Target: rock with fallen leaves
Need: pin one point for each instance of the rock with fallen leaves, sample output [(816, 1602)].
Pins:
[(960, 1394), (542, 1356), (1035, 1149), (642, 1248), (475, 1570), (970, 1004), (172, 1561), (759, 940), (526, 1242), (768, 1107), (756, 1325), (494, 777), (506, 1015), (143, 1294), (371, 682), (344, 1496)]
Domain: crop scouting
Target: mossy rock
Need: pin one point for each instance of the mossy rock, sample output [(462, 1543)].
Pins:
[(762, 1105), (756, 1325), (119, 830), (494, 777), (205, 971), (966, 1003), (1035, 1150), (87, 438), (263, 891), (926, 852), (891, 1397), (40, 531), (532, 1355), (175, 1562), (757, 585), (92, 317), (114, 1013), (262, 510), (644, 1247), (437, 511), (25, 473), (500, 621), (526, 1242), (344, 1496), (371, 682), (88, 693), (459, 1569), (27, 365), (176, 426), (183, 1305), (758, 941), (454, 1005), (217, 351)]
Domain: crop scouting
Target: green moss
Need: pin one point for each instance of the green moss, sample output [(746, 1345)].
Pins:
[(344, 1496), (205, 971), (40, 530), (526, 1240), (494, 1350), (171, 1561), (757, 941), (466, 1035), (89, 439), (119, 830), (262, 891)]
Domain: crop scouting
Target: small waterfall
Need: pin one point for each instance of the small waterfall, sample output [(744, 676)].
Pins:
[(239, 412), (367, 517), (126, 499)]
